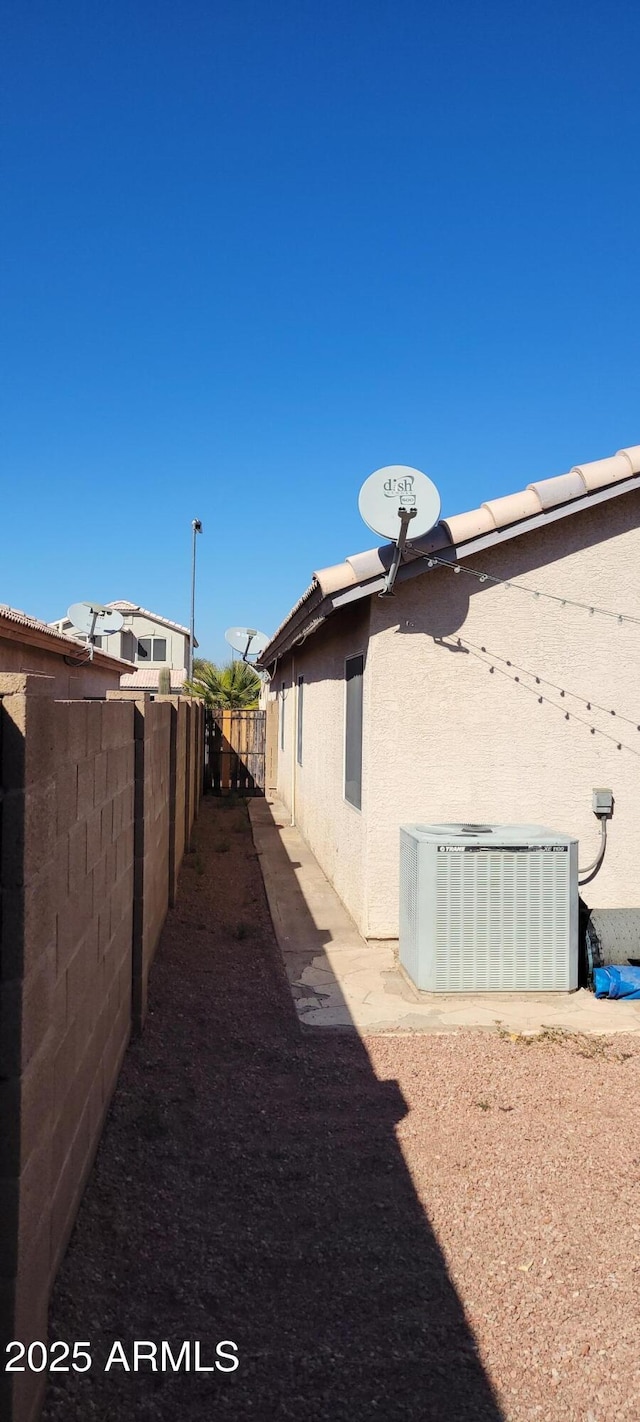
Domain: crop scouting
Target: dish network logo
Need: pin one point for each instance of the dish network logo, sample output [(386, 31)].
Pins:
[(401, 489)]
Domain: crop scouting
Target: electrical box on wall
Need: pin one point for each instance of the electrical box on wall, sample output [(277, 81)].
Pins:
[(602, 802)]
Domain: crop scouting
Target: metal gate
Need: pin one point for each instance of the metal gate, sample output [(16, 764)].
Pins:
[(234, 752)]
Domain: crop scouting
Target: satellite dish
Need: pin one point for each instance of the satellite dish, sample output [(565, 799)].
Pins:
[(247, 640), (396, 490), (94, 619)]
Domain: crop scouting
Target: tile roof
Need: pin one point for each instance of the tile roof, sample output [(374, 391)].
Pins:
[(12, 618), (581, 485), (147, 680), (123, 606), (23, 619)]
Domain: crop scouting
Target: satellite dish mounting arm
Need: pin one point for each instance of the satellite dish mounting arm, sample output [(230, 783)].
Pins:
[(405, 516), (92, 632)]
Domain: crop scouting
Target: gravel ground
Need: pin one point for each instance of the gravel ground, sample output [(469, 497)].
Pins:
[(409, 1227)]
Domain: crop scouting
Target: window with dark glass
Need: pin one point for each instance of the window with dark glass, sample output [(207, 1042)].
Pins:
[(354, 675), (300, 703), (153, 649)]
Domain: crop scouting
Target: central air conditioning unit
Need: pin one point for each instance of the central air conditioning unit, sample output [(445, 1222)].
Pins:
[(488, 908)]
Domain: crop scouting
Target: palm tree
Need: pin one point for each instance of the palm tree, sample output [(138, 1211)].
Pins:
[(236, 685), (200, 664)]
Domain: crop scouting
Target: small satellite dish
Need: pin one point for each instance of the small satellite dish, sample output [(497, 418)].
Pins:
[(247, 640), (395, 490), (94, 619)]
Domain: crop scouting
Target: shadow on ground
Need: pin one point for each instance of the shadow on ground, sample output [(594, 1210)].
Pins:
[(249, 1186)]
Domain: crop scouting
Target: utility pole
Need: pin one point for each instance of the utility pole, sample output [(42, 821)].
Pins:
[(197, 528)]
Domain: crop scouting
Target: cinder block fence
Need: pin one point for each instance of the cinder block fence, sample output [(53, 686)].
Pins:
[(97, 803)]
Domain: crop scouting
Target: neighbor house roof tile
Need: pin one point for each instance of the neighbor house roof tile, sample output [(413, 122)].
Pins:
[(144, 680), (40, 633), (123, 606), (23, 619)]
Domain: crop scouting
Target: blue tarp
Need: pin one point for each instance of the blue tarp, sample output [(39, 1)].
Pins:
[(617, 982)]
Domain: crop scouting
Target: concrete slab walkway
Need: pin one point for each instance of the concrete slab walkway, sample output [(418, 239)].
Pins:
[(338, 980)]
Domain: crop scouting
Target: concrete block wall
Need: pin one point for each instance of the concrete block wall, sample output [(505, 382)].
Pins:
[(189, 772), (169, 739), (65, 987), (194, 766), (152, 825), (198, 764), (178, 790), (95, 797), (180, 797)]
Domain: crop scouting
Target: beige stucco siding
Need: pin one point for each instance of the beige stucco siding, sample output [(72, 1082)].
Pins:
[(472, 744), (177, 643), (335, 831), (447, 739), (69, 682), (116, 644)]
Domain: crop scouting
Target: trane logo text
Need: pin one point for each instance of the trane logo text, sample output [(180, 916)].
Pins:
[(503, 849)]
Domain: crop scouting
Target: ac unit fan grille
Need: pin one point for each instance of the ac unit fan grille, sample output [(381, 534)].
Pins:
[(501, 921)]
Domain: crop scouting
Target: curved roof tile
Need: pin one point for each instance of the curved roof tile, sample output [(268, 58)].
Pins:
[(469, 525), (633, 455), (339, 575), (560, 490), (512, 507), (368, 564), (601, 472)]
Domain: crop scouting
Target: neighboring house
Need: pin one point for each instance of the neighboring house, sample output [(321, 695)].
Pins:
[(481, 691), (148, 641), (28, 645)]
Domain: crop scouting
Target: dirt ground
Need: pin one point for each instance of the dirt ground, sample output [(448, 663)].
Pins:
[(407, 1227)]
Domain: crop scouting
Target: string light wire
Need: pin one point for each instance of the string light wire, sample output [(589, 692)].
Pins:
[(489, 661), (592, 609), (542, 681)]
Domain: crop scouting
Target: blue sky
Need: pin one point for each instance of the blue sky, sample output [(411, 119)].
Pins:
[(253, 251)]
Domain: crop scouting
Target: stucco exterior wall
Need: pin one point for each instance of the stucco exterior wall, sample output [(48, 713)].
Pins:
[(69, 683), (334, 829), (177, 643), (271, 740), (447, 739)]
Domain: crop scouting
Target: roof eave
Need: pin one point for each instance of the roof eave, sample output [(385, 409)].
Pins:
[(295, 630), (312, 605), (415, 566), (58, 645)]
